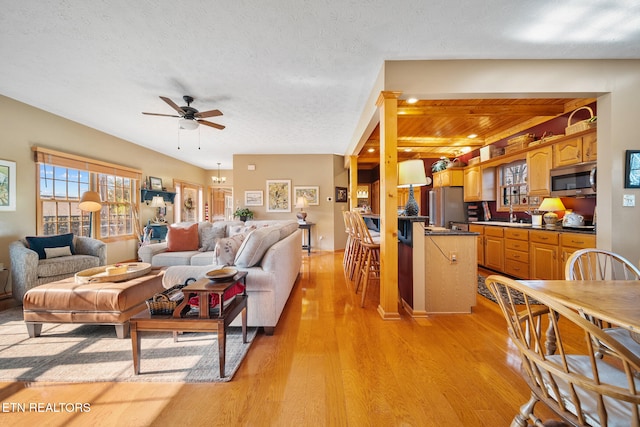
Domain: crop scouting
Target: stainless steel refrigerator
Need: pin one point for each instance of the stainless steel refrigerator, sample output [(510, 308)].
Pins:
[(446, 204)]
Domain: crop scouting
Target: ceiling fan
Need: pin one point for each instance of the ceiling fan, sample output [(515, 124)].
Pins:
[(189, 116)]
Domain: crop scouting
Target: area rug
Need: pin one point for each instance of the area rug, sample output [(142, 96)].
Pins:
[(485, 292), (92, 353)]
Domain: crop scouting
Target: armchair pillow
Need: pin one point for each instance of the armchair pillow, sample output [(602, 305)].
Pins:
[(39, 243), (182, 238), (57, 252)]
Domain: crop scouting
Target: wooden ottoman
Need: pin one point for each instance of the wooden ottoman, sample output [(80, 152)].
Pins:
[(66, 301)]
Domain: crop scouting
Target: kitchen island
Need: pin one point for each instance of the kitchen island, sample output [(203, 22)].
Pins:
[(444, 271)]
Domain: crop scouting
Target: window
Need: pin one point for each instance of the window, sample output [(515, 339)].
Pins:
[(513, 184), (63, 178)]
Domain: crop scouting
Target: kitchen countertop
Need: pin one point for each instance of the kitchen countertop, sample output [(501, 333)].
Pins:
[(528, 226), (441, 231)]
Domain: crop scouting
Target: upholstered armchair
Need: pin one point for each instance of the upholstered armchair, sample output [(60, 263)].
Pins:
[(37, 266)]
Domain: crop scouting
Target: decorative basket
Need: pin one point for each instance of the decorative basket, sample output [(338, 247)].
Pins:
[(581, 125), (521, 139), (167, 301)]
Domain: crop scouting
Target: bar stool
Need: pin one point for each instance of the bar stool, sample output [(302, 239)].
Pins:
[(369, 262), (350, 245)]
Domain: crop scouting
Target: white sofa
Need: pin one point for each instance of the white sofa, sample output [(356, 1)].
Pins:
[(271, 254)]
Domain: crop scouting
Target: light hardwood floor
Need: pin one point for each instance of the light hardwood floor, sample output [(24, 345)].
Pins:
[(329, 363)]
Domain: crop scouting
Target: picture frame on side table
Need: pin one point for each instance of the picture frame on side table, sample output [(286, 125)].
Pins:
[(155, 183), (341, 195), (309, 192), (7, 185), (253, 198), (632, 169), (278, 195)]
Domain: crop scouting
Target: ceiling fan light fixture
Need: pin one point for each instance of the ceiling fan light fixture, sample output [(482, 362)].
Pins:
[(188, 124)]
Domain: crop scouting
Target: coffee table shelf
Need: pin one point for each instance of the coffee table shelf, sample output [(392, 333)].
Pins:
[(180, 322)]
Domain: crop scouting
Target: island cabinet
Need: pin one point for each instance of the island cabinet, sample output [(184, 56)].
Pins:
[(539, 163), (516, 252), (494, 248), (444, 272), (544, 255), (477, 228)]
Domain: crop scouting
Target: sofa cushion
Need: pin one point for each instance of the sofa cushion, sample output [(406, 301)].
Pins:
[(57, 252), (39, 243), (203, 258), (173, 258), (255, 245), (226, 249), (232, 230), (211, 236), (182, 238)]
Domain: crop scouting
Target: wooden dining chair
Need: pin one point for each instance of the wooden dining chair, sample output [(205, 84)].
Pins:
[(599, 264), (580, 388)]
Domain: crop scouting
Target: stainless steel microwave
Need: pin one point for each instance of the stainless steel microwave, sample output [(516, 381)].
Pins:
[(574, 180)]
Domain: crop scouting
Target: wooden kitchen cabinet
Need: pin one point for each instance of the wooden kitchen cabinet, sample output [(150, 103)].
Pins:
[(450, 177), (571, 242), (476, 228), (539, 163), (544, 255), (516, 252), (479, 184), (494, 248), (575, 150)]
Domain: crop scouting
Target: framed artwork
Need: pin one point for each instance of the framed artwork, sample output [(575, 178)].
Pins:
[(311, 193), (253, 198), (278, 195), (155, 183), (7, 185), (632, 169), (341, 194)]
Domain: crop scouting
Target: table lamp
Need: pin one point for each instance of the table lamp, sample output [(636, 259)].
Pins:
[(410, 173), (550, 205), (158, 203), (301, 203), (90, 202)]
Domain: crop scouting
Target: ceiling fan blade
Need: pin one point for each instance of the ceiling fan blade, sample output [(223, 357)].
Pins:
[(173, 105), (210, 113), (213, 125), (164, 115)]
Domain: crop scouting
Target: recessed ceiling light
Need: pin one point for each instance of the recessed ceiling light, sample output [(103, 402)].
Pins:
[(371, 150), (407, 150), (473, 135), (412, 100)]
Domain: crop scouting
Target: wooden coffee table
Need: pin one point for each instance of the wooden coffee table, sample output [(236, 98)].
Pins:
[(180, 321)]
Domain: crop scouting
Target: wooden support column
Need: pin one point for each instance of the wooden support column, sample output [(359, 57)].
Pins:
[(388, 109), (353, 182)]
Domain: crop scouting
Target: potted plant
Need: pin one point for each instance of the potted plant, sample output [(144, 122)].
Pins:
[(243, 214)]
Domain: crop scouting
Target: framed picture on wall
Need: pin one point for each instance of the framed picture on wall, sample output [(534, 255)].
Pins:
[(341, 194), (155, 183), (278, 195), (7, 185), (253, 198), (632, 169), (311, 193)]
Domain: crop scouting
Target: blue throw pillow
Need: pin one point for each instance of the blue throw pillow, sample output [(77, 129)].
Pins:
[(58, 241)]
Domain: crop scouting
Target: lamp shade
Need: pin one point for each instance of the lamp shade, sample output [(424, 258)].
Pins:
[(90, 201), (411, 172), (302, 202), (157, 202), (188, 124), (551, 204)]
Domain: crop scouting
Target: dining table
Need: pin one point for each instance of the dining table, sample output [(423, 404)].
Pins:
[(613, 301)]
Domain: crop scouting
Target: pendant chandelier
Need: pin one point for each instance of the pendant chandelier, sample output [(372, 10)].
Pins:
[(218, 179)]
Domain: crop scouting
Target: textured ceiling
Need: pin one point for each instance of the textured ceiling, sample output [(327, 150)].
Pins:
[(290, 76)]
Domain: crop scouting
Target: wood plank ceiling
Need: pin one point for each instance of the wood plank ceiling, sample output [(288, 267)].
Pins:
[(436, 128)]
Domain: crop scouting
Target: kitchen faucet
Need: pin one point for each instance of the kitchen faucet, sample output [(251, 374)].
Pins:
[(512, 216)]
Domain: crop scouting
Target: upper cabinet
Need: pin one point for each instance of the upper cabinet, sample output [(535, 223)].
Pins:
[(539, 162), (479, 184), (575, 150), (450, 177)]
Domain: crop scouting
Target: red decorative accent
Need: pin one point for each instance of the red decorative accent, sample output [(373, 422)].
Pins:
[(236, 289)]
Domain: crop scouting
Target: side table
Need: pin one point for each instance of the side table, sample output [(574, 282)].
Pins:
[(306, 226), (180, 321)]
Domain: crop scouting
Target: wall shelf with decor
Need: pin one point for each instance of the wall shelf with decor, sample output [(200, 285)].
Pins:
[(147, 195)]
